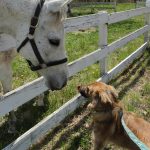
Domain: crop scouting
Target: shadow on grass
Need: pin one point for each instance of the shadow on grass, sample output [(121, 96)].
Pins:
[(129, 77), (126, 80), (65, 135), (75, 143), (27, 116)]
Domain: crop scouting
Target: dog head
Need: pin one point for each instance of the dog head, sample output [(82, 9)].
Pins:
[(102, 95)]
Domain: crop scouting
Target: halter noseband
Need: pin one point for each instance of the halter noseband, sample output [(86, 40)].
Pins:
[(30, 38)]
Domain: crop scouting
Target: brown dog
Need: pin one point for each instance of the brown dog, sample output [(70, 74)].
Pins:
[(107, 113)]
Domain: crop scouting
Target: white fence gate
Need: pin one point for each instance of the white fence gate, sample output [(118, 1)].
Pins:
[(26, 92)]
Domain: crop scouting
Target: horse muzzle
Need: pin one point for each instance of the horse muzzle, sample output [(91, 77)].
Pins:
[(56, 82)]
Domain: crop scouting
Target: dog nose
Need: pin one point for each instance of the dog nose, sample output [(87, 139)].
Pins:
[(54, 41)]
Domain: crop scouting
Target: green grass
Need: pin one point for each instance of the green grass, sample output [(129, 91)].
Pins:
[(77, 44), (133, 86), (91, 10)]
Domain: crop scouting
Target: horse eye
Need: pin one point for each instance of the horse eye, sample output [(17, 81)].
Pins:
[(54, 41)]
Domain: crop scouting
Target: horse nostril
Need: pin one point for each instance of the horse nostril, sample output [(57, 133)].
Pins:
[(54, 42)]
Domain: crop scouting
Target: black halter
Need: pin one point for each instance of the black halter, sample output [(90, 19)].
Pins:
[(30, 38)]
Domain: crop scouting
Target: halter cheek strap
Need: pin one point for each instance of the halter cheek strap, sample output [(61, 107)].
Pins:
[(30, 39), (30, 36)]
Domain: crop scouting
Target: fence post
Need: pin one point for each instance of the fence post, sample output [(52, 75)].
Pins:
[(147, 22), (102, 43), (115, 5)]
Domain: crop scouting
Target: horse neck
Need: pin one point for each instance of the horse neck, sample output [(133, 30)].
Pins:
[(15, 14)]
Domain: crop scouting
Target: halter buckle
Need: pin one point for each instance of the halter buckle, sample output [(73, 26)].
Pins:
[(34, 22)]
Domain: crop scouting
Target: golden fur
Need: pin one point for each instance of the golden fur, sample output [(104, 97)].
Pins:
[(106, 121)]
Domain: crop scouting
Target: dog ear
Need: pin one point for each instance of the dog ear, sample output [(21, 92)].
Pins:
[(104, 98), (113, 93)]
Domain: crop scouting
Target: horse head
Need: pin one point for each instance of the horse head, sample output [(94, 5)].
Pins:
[(43, 47)]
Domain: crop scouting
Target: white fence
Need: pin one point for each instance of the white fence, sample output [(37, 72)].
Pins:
[(25, 93), (111, 5), (140, 4)]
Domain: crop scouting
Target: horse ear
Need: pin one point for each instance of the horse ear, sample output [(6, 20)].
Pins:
[(67, 2), (54, 6)]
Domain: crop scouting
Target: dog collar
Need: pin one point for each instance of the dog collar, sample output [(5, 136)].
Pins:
[(133, 137)]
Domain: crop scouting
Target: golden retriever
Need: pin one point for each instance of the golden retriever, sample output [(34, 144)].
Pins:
[(107, 111)]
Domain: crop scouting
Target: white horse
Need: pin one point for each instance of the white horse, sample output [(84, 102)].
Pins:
[(35, 29)]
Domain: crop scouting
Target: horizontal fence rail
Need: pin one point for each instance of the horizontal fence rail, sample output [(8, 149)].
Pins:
[(84, 22), (108, 5), (95, 56), (120, 16), (123, 65), (31, 136), (74, 4), (21, 95), (25, 93), (87, 21)]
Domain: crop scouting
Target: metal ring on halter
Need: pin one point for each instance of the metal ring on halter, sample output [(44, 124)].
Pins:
[(30, 37), (31, 26)]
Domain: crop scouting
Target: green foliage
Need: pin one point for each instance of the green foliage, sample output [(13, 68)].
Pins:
[(96, 8)]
